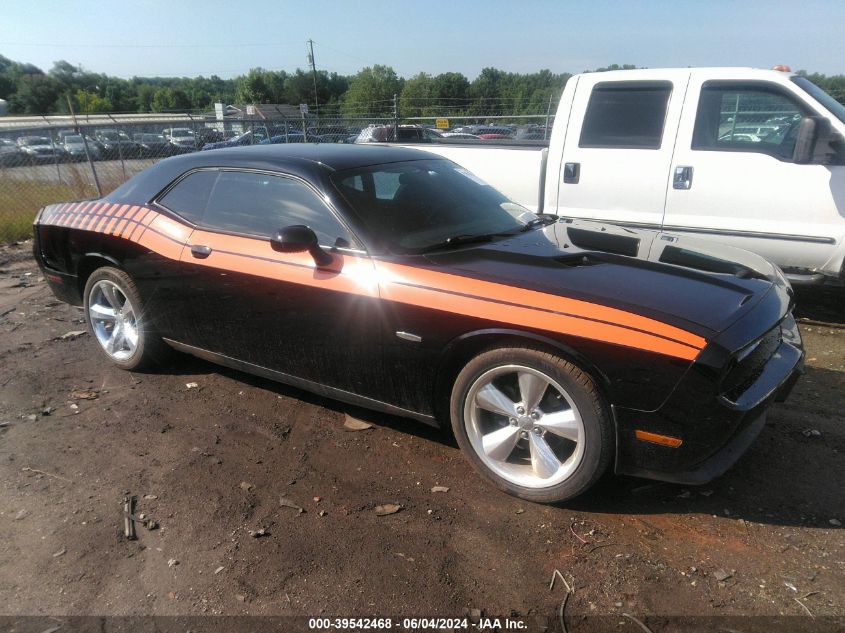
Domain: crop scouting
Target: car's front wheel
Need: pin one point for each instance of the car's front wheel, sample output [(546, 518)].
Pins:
[(115, 316), (531, 423)]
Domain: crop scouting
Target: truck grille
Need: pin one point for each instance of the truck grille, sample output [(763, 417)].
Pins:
[(748, 365)]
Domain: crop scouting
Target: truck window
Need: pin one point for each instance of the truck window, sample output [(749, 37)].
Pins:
[(746, 117), (626, 115)]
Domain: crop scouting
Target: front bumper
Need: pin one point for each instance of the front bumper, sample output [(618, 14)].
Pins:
[(716, 427)]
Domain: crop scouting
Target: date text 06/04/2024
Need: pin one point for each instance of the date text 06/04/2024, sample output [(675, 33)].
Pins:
[(415, 624)]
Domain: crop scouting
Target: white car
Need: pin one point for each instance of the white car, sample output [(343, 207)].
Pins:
[(182, 137), (74, 147)]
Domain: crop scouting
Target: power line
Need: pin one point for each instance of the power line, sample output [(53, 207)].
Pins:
[(129, 45)]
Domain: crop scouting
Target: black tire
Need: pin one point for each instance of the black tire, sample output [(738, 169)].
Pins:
[(150, 350), (598, 435)]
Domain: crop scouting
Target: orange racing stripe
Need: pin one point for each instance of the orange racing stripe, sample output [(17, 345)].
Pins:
[(447, 292)]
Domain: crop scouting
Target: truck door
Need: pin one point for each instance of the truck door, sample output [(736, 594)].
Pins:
[(742, 186), (616, 163)]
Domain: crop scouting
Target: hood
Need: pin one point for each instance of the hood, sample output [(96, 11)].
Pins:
[(700, 286)]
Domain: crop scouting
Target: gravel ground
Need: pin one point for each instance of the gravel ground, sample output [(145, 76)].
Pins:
[(215, 464)]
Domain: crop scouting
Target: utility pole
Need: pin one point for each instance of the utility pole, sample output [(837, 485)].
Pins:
[(395, 118), (314, 74)]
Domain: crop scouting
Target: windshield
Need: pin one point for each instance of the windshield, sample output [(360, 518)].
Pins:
[(36, 140), (182, 132), (414, 206), (73, 140), (836, 108)]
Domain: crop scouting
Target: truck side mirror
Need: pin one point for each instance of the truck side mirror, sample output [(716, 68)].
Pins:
[(812, 131)]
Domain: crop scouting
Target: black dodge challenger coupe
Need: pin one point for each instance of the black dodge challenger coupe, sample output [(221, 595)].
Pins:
[(396, 280)]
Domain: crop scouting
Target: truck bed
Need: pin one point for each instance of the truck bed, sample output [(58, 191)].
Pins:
[(519, 170)]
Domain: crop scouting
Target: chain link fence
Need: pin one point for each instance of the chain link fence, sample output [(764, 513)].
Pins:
[(53, 159)]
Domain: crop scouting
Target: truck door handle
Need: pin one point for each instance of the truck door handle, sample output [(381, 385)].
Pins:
[(571, 173), (200, 252), (682, 178)]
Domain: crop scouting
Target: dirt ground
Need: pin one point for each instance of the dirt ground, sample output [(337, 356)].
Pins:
[(211, 464)]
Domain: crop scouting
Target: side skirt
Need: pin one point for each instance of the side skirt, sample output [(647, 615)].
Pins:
[(301, 383)]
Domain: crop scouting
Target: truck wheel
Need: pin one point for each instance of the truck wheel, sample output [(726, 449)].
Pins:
[(115, 316), (531, 423)]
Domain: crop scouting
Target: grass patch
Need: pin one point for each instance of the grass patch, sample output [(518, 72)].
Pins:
[(24, 190), (20, 200)]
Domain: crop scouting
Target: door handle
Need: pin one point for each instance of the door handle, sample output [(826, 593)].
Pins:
[(200, 252), (682, 178), (571, 173)]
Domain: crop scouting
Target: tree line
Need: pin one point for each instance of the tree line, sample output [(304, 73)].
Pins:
[(368, 93)]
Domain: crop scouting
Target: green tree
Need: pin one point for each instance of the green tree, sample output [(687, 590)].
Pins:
[(144, 94), (451, 90), (371, 92), (90, 102), (416, 97), (485, 91), (252, 88), (36, 94)]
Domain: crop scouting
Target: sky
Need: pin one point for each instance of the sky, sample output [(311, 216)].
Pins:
[(224, 37)]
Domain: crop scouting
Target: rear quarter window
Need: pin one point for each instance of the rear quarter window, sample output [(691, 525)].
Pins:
[(189, 197), (626, 115)]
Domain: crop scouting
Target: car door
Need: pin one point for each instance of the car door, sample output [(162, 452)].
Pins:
[(280, 311), (745, 189), (616, 165)]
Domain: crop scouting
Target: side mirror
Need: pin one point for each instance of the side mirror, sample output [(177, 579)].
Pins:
[(297, 239), (812, 130)]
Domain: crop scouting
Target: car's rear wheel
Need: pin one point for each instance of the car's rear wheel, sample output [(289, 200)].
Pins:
[(116, 320), (532, 423)]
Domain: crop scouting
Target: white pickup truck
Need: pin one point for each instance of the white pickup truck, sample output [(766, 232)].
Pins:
[(752, 158)]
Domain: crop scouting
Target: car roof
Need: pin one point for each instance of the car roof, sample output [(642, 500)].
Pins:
[(312, 161)]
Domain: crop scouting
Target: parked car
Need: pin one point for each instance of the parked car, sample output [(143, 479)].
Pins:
[(481, 130), (154, 145), (250, 137), (290, 137), (40, 149), (387, 133), (328, 138), (205, 135), (182, 138), (116, 144), (74, 147), (460, 135), (397, 280), (651, 148), (10, 153)]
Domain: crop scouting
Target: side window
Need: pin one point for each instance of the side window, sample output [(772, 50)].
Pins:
[(189, 196), (386, 184), (751, 118), (261, 204), (626, 115)]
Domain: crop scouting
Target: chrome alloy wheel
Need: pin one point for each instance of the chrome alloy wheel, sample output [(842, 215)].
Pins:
[(113, 320), (524, 426)]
